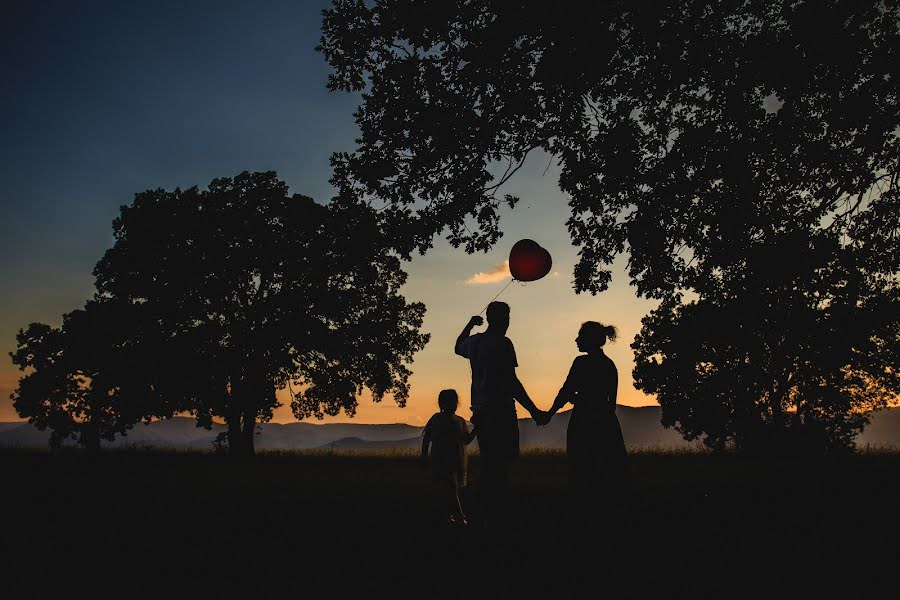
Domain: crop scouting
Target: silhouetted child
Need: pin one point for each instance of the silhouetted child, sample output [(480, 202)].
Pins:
[(448, 435)]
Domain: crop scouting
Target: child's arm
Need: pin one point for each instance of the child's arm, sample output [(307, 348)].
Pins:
[(426, 440), (470, 436)]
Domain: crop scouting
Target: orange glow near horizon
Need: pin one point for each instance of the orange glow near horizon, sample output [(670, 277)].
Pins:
[(419, 409)]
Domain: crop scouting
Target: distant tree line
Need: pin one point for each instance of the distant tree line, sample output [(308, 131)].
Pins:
[(744, 155), (211, 300)]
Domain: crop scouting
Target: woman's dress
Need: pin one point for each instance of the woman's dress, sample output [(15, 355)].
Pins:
[(598, 463)]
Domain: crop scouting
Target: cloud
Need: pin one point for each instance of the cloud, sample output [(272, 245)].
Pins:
[(498, 272)]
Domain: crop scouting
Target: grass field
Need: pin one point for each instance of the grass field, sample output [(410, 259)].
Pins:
[(186, 524)]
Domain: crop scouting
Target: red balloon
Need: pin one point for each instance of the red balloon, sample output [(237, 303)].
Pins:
[(528, 261)]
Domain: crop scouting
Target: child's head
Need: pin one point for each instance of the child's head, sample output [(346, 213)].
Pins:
[(448, 400)]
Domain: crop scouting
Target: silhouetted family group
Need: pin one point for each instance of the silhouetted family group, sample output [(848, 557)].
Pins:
[(599, 478)]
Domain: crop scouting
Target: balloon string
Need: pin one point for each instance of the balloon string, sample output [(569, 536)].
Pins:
[(504, 287), (498, 295)]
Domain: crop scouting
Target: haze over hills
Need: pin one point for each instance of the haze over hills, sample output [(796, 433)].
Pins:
[(640, 426)]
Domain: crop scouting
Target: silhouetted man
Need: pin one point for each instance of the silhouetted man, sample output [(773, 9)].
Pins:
[(495, 390)]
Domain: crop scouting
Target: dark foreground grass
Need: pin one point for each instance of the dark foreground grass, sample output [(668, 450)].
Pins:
[(183, 524)]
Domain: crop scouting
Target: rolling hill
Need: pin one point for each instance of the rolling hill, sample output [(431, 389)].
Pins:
[(640, 426)]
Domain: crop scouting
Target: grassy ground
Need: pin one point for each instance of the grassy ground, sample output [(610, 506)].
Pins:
[(185, 524)]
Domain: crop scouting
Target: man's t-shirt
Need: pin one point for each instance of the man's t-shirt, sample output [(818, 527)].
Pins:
[(493, 362)]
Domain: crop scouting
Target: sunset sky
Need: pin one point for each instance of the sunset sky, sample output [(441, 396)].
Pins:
[(103, 100)]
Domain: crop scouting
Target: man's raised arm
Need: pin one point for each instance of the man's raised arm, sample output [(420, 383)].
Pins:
[(464, 335)]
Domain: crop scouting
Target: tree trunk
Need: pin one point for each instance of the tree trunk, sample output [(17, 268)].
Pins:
[(249, 431), (242, 424), (90, 438), (235, 436), (247, 396)]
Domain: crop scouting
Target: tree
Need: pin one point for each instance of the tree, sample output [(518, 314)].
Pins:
[(789, 356), (252, 289), (80, 376), (694, 136)]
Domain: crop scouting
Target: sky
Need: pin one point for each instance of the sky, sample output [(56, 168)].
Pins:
[(101, 100)]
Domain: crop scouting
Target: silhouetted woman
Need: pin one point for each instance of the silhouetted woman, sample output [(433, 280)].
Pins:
[(599, 479)]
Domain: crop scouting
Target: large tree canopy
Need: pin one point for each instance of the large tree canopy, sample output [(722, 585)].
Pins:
[(707, 141), (252, 289), (792, 353), (685, 130)]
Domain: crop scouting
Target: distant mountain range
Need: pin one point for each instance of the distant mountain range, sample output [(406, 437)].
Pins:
[(640, 426)]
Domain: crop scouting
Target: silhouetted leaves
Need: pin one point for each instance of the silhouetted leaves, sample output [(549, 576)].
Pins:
[(85, 379), (251, 289), (790, 353), (745, 153)]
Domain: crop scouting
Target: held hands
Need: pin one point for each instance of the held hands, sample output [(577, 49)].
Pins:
[(541, 417)]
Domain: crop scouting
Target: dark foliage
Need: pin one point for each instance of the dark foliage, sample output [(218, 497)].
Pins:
[(85, 379), (710, 141), (243, 289), (790, 357)]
